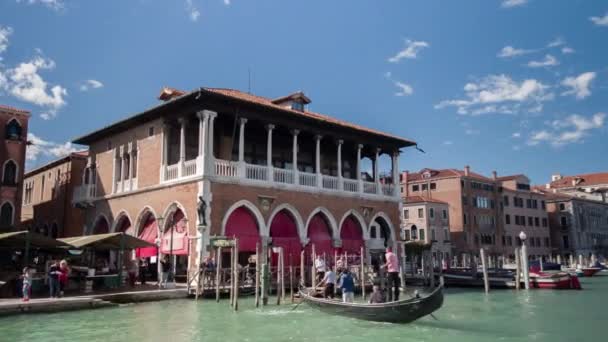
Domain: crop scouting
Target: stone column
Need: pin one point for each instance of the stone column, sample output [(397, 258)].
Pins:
[(376, 171), (131, 154), (203, 118), (318, 160), (209, 155), (340, 184), (164, 150), (242, 122), (395, 169), (358, 169), (121, 176), (294, 159), (269, 166), (182, 146)]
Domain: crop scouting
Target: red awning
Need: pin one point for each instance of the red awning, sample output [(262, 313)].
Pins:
[(148, 233)]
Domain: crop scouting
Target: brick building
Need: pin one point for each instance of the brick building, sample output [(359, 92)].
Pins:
[(14, 123), (593, 186), (266, 171), (524, 210), (474, 210), (47, 197), (427, 220)]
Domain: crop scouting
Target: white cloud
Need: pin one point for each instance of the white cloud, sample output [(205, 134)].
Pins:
[(193, 12), (404, 89), (27, 85), (5, 32), (470, 131), (600, 21), (579, 86), (448, 142), (410, 51), (509, 51), (90, 84), (559, 41), (43, 148), (513, 3), (53, 4), (547, 62), (500, 94), (572, 129), (567, 50), (516, 135), (227, 2)]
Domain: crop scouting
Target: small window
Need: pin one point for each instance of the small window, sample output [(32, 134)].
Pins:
[(433, 235), (432, 213), (420, 213), (464, 219), (415, 188), (13, 130), (299, 106), (564, 221), (544, 221), (562, 206), (506, 200), (433, 186), (6, 215), (444, 214), (446, 234), (150, 131), (537, 222), (9, 174), (421, 234), (530, 221), (425, 187), (508, 219), (543, 205), (406, 214), (547, 242)]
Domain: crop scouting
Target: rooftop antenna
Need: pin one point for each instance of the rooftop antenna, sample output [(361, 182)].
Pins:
[(248, 80)]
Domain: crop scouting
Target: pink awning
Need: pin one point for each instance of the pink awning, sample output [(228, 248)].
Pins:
[(148, 233), (179, 238)]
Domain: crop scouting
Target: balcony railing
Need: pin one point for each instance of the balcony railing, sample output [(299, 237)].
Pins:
[(189, 168), (233, 170), (171, 172)]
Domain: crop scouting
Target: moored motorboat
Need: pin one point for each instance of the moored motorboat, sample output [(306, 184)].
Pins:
[(554, 280), (402, 311), (590, 271), (465, 278)]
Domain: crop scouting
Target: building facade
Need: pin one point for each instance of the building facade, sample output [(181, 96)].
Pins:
[(14, 123), (524, 210), (578, 226), (428, 221), (593, 186), (47, 197), (474, 210), (220, 162)]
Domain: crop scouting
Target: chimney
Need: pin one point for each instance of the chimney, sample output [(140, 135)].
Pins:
[(467, 170), (494, 175), (556, 177), (404, 179), (548, 186)]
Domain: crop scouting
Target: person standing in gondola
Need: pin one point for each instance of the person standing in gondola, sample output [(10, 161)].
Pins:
[(347, 285), (392, 267), (320, 267), (329, 281)]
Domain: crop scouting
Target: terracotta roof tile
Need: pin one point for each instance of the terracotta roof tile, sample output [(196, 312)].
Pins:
[(444, 173), (582, 180), (13, 109), (421, 199), (313, 115), (511, 177)]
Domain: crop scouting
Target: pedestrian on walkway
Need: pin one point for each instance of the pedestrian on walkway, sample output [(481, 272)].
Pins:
[(53, 276), (27, 284)]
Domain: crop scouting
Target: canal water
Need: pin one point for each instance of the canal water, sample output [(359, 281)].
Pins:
[(467, 315)]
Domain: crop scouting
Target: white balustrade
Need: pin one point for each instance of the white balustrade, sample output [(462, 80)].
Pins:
[(350, 185), (226, 168), (171, 172), (308, 179), (283, 176), (369, 187), (330, 182), (84, 193), (189, 168), (256, 172)]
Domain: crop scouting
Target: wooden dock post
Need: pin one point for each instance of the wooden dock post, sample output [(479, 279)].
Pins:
[(517, 269), (282, 259), (558, 258), (302, 269), (291, 278), (403, 263), (258, 259), (231, 274), (218, 271), (571, 261), (313, 269), (278, 274), (580, 261), (484, 267), (540, 261), (346, 260), (335, 270), (431, 269), (524, 265), (362, 274), (236, 275)]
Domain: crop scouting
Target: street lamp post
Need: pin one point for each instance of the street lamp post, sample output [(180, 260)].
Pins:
[(524, 259)]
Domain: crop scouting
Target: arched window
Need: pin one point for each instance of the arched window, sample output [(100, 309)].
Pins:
[(9, 174), (6, 215), (13, 130)]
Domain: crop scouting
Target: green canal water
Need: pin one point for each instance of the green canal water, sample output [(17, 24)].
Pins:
[(467, 315)]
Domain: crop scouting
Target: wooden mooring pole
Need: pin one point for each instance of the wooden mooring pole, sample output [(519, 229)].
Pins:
[(484, 267), (524, 265), (302, 269), (218, 275), (362, 274), (236, 275), (258, 260), (517, 269), (291, 278), (231, 274)]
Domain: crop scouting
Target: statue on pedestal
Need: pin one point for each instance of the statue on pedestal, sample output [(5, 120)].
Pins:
[(201, 209)]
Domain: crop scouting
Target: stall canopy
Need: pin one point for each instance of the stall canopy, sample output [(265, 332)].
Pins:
[(109, 241), (17, 240)]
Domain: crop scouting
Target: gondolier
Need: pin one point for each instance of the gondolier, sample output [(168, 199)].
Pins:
[(392, 267), (320, 267)]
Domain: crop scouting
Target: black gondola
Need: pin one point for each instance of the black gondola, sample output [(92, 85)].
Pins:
[(402, 311)]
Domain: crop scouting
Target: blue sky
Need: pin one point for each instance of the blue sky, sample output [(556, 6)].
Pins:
[(517, 86)]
